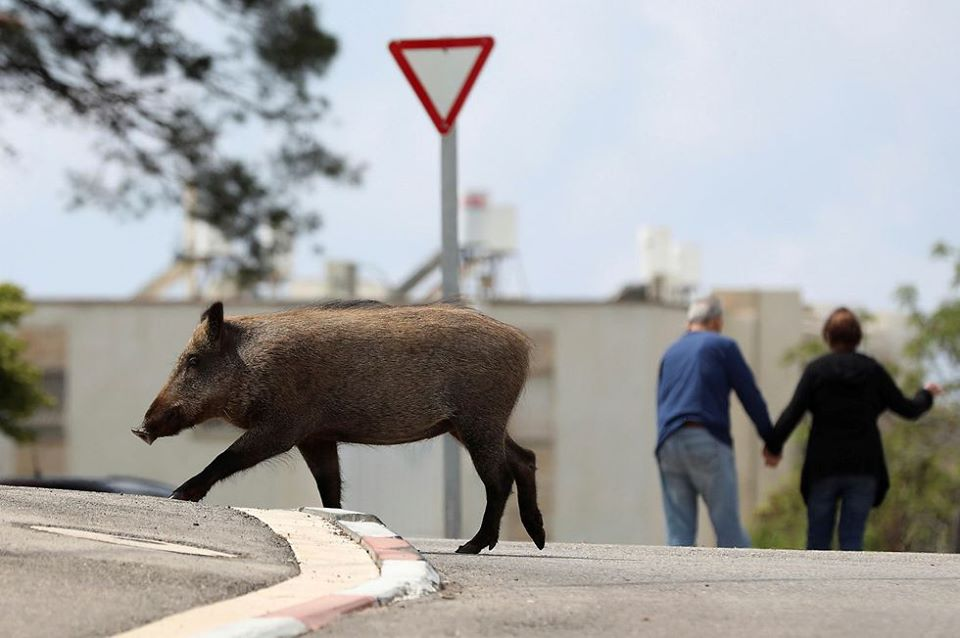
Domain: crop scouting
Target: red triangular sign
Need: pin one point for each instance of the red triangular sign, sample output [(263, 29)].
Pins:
[(442, 72)]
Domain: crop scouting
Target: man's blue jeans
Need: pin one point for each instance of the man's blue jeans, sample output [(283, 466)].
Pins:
[(693, 462), (855, 494)]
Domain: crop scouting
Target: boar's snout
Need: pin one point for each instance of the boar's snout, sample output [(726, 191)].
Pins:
[(143, 434), (161, 420)]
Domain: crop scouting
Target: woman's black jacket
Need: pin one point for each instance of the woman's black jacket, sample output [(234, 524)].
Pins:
[(845, 393)]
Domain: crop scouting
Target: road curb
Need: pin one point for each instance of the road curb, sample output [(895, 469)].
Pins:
[(404, 574)]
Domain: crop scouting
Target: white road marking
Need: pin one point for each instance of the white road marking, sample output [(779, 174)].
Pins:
[(129, 541)]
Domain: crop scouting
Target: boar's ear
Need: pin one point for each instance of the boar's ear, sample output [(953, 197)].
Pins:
[(214, 318)]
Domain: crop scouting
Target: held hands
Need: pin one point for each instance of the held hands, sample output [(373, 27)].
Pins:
[(933, 388), (770, 459)]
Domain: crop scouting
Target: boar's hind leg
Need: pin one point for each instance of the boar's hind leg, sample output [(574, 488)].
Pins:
[(253, 446), (324, 463), (490, 460), (523, 464)]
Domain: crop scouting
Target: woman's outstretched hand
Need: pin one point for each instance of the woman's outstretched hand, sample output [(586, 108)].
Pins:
[(933, 388)]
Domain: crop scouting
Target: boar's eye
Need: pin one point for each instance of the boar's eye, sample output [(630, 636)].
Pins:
[(192, 361)]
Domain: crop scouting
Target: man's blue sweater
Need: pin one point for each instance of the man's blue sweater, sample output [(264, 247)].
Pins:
[(697, 374)]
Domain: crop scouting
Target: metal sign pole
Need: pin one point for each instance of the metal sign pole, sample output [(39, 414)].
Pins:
[(450, 268), (433, 66)]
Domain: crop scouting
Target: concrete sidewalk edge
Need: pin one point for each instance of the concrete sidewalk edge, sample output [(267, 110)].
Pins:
[(404, 574)]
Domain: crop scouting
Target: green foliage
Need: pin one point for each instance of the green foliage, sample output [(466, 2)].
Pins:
[(922, 510), (164, 82), (20, 392), (936, 344), (920, 513)]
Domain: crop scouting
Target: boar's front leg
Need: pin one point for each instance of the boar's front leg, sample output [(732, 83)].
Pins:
[(253, 446), (324, 463)]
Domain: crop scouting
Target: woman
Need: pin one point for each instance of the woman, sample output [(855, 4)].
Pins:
[(845, 391)]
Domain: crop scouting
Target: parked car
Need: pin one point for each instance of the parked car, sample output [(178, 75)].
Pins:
[(114, 484)]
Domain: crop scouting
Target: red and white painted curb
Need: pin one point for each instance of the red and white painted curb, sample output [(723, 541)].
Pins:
[(404, 574)]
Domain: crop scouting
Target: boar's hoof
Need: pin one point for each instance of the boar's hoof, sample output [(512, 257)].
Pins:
[(187, 493), (469, 548), (474, 546), (539, 538)]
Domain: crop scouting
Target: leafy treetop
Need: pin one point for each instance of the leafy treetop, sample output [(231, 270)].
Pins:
[(163, 82)]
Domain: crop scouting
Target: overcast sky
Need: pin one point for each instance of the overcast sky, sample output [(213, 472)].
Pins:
[(809, 145)]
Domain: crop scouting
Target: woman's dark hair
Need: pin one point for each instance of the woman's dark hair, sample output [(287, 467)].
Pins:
[(842, 330)]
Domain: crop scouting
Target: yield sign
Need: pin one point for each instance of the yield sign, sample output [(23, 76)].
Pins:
[(442, 72)]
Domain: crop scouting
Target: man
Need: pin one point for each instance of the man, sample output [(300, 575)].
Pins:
[(694, 447)]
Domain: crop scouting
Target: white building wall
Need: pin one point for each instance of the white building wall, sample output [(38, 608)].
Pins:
[(607, 355)]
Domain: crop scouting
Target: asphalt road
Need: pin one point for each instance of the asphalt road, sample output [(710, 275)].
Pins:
[(59, 585), (618, 590)]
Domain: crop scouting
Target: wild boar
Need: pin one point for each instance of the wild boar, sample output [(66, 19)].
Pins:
[(355, 372)]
